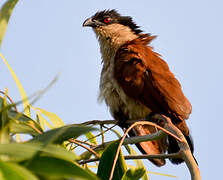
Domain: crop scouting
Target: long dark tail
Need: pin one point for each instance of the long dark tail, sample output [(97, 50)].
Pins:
[(173, 147)]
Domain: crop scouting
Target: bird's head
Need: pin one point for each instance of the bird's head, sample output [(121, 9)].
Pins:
[(110, 25)]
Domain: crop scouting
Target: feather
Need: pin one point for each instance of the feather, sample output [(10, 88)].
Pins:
[(147, 79)]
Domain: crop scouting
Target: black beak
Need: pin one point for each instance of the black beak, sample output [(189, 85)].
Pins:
[(89, 22)]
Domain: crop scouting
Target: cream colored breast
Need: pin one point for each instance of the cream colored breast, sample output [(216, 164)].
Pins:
[(116, 99), (113, 94), (110, 38)]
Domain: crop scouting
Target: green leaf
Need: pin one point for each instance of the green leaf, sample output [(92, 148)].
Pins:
[(14, 171), (5, 13), (61, 134), (20, 152), (22, 128), (54, 167), (19, 85), (21, 123), (161, 174), (107, 160), (134, 174), (43, 121), (91, 137), (4, 122), (138, 162), (57, 122)]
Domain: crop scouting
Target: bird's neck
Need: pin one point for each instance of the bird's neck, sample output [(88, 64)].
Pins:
[(110, 38)]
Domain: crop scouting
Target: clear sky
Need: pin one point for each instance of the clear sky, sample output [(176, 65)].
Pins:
[(47, 37)]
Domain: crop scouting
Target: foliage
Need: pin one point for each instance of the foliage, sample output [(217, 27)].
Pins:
[(5, 13), (44, 155)]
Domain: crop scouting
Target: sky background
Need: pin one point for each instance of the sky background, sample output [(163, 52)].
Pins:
[(46, 37)]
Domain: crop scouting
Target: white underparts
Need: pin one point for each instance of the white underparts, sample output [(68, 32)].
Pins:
[(110, 38)]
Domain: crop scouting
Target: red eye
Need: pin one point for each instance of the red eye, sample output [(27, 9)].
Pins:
[(107, 20)]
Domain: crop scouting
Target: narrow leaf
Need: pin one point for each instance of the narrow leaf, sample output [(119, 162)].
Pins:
[(14, 171), (5, 13), (42, 120), (138, 162), (107, 160), (4, 123), (91, 137), (131, 151), (161, 174), (57, 122), (54, 167), (21, 123), (20, 87), (134, 174), (61, 134), (20, 152)]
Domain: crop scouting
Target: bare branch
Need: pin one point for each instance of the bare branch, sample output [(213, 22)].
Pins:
[(168, 128), (99, 122), (86, 143), (124, 136), (143, 156), (89, 149), (185, 152), (131, 140)]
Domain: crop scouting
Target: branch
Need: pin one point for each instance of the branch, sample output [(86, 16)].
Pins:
[(124, 136), (131, 140), (99, 122), (184, 152), (89, 149), (134, 140), (143, 156), (168, 128)]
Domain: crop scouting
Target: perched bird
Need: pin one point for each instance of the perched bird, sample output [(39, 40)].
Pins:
[(136, 83)]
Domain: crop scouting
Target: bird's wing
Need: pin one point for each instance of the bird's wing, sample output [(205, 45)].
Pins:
[(145, 77)]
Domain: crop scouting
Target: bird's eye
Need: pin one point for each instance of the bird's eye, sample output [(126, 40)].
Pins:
[(107, 20)]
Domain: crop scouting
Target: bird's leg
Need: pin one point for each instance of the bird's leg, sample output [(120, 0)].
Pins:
[(155, 118), (121, 118)]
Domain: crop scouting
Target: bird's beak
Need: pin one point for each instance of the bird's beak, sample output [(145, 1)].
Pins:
[(89, 22)]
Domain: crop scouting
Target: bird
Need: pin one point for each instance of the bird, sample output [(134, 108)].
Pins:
[(136, 83)]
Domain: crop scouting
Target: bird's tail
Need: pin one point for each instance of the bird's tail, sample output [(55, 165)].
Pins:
[(150, 147), (173, 147), (160, 146)]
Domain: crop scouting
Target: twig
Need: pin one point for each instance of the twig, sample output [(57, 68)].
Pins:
[(149, 137), (86, 143), (10, 99), (102, 145), (151, 156), (98, 122), (89, 149), (127, 131), (168, 128), (185, 152), (100, 133), (143, 156), (131, 140), (34, 127)]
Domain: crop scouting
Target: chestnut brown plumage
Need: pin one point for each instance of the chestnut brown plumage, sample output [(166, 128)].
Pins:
[(136, 83)]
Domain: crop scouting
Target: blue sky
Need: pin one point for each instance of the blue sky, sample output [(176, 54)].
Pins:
[(46, 37)]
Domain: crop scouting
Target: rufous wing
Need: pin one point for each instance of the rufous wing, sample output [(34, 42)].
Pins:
[(146, 78)]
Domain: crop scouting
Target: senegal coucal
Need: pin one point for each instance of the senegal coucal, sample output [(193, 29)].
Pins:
[(136, 83)]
